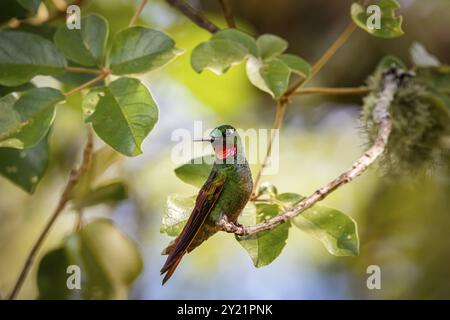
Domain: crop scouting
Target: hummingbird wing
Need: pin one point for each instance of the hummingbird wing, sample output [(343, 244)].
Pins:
[(204, 204)]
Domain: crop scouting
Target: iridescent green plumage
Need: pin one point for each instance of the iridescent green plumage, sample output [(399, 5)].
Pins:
[(226, 192)]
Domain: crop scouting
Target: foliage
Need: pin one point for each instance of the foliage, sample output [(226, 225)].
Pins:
[(123, 113)]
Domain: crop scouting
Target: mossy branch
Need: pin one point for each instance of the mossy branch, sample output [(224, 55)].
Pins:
[(390, 84)]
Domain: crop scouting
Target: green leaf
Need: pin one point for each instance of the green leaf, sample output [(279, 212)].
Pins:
[(52, 275), (25, 55), (24, 121), (23, 87), (108, 260), (87, 45), (263, 247), (238, 37), (107, 193), (111, 260), (390, 24), (421, 57), (270, 45), (139, 49), (125, 115), (217, 56), (30, 5), (26, 167), (296, 64), (337, 231), (102, 160), (196, 171), (271, 76), (178, 209)]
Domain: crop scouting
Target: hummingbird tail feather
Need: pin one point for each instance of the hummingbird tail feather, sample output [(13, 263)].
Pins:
[(171, 270), (206, 199)]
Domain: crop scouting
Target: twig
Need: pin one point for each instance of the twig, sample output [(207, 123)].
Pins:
[(391, 81), (193, 15), (284, 99), (227, 13), (332, 91), (74, 176), (137, 13), (343, 37), (104, 73), (279, 114), (82, 70)]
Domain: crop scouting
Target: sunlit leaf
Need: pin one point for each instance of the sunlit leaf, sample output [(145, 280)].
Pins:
[(139, 49), (296, 64), (238, 37), (26, 55), (263, 247), (178, 209), (25, 120), (26, 167), (271, 76), (87, 45), (217, 55), (337, 231), (390, 24), (196, 171), (270, 45), (125, 115)]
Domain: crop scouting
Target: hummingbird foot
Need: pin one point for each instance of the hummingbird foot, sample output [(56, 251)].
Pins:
[(229, 226)]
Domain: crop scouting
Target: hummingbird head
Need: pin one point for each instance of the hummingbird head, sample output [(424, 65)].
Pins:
[(226, 142)]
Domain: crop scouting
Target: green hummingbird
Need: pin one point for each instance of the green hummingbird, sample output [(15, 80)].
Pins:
[(225, 192)]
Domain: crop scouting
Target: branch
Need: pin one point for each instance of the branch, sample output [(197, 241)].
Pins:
[(227, 13), (194, 15), (137, 13), (74, 176), (391, 81)]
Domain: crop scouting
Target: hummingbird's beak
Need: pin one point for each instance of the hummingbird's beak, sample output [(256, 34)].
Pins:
[(203, 140)]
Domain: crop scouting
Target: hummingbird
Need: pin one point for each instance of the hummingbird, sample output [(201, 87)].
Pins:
[(225, 192)]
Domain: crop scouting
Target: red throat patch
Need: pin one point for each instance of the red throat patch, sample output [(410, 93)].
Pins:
[(226, 153)]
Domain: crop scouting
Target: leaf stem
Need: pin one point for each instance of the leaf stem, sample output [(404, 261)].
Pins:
[(341, 39), (74, 176), (82, 70), (391, 81), (227, 13), (194, 15), (332, 91), (104, 73), (137, 13)]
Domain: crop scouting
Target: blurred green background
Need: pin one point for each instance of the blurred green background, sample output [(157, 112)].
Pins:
[(403, 223)]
